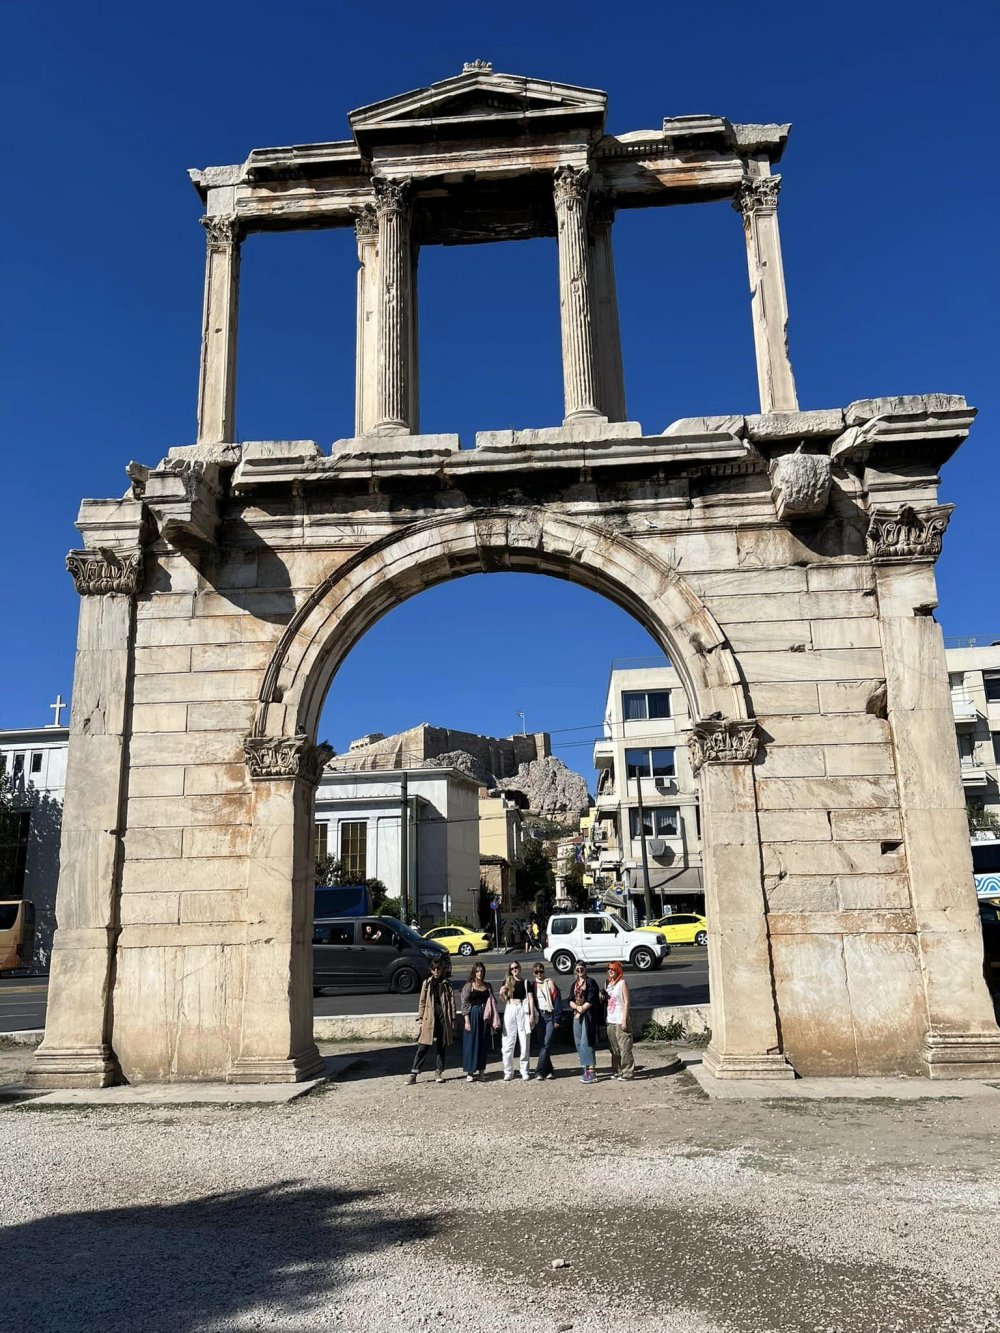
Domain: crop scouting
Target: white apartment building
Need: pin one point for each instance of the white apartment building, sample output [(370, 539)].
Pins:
[(642, 763), (33, 769), (358, 820), (974, 674)]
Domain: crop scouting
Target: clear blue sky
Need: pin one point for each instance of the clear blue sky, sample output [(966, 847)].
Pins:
[(889, 226)]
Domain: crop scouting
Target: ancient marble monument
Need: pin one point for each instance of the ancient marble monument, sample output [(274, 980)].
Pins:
[(783, 558)]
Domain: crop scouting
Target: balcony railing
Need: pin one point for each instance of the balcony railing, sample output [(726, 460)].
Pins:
[(973, 774), (965, 710)]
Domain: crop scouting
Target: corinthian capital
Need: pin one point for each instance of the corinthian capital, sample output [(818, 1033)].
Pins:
[(756, 194), (571, 184), (223, 230), (292, 757), (723, 741), (366, 224), (905, 533), (104, 570), (391, 196)]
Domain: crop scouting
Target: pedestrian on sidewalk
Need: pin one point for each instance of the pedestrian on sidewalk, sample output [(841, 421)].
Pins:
[(584, 1001), (436, 1021), (518, 1019), (549, 1008), (481, 1016), (619, 1024)]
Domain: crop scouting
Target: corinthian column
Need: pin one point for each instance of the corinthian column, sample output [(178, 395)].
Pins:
[(604, 297), (217, 379), (395, 331), (579, 368), (366, 379), (77, 1050), (757, 200)]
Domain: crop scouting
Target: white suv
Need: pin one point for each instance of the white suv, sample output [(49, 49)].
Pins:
[(600, 937)]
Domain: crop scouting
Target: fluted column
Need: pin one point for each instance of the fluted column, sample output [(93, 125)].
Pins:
[(757, 200), (366, 377), (217, 378), (395, 331), (604, 298), (580, 389)]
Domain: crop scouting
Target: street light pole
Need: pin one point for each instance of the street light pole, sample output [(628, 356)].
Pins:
[(404, 851)]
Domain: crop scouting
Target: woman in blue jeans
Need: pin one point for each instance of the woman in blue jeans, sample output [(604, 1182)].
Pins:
[(584, 1001), (548, 1007)]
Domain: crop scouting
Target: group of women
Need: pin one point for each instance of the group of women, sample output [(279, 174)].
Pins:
[(529, 1006)]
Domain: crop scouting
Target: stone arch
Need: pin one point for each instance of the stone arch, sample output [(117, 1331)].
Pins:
[(373, 581)]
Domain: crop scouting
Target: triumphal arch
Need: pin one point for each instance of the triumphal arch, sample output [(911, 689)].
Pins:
[(783, 558)]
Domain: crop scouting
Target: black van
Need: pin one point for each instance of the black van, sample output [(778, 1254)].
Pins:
[(371, 951)]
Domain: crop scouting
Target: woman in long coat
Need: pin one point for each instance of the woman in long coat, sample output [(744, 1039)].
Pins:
[(436, 1021)]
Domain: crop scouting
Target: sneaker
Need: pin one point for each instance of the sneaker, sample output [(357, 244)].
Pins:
[(507, 1077), (470, 1078), (550, 1075), (526, 1077), (439, 1078), (589, 1076), (411, 1078)]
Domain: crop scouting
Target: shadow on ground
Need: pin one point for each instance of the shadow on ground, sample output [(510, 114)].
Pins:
[(173, 1268)]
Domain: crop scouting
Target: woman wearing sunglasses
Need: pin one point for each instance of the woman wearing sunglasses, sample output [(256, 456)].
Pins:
[(518, 1019)]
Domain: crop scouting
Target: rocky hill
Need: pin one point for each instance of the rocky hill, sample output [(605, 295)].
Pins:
[(550, 788)]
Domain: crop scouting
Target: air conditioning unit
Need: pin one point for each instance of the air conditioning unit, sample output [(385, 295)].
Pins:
[(657, 846), (666, 784)]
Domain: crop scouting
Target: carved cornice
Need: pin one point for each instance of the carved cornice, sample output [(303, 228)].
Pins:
[(285, 757), (905, 533), (102, 571), (571, 184), (225, 229), (756, 194), (723, 741), (366, 224), (478, 67), (391, 196)]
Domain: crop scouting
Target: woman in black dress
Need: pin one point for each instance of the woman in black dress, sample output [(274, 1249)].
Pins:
[(479, 1010)]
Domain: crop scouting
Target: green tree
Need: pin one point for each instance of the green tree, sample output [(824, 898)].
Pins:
[(10, 835), (575, 889), (982, 820), (534, 881)]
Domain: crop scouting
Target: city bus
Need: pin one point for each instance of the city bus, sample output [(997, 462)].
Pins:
[(17, 933)]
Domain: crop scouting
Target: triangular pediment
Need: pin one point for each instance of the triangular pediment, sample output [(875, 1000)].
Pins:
[(478, 96)]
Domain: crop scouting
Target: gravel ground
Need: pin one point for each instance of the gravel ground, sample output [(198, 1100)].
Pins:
[(373, 1205)]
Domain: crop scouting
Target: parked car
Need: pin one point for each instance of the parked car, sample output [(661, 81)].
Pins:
[(600, 937), (680, 928), (371, 951), (459, 939)]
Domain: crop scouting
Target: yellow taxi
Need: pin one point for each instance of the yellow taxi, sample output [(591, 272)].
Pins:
[(459, 939), (680, 928)]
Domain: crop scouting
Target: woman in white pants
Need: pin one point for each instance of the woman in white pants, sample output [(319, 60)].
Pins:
[(518, 1020)]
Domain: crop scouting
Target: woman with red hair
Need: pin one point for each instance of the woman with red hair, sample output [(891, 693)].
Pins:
[(619, 1024)]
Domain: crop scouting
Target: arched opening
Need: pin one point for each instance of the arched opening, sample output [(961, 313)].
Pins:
[(366, 585)]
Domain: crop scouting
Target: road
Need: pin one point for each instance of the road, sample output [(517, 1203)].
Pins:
[(683, 979)]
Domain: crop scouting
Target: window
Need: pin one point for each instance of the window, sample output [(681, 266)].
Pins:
[(597, 925), (382, 936), (657, 763), (18, 765), (639, 704), (36, 762), (322, 840), (966, 749), (13, 853), (660, 822), (991, 684), (354, 850), (996, 747), (341, 933), (562, 925)]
